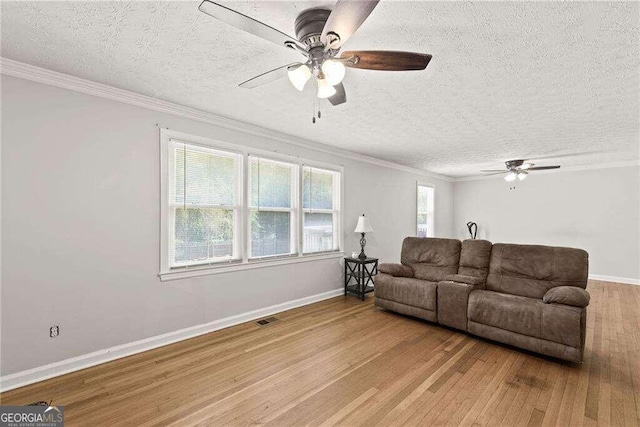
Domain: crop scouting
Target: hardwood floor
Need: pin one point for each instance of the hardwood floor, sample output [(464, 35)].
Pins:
[(342, 361)]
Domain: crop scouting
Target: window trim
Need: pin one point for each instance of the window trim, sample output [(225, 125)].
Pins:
[(433, 214), (245, 263)]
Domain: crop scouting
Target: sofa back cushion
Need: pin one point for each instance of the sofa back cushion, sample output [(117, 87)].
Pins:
[(531, 270), (474, 258), (431, 259)]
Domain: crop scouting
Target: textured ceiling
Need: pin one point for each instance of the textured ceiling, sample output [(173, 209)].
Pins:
[(551, 80)]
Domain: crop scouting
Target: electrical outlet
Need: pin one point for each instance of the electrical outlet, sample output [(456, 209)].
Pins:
[(54, 331)]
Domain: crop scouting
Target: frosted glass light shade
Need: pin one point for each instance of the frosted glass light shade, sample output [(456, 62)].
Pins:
[(325, 90), (511, 176), (522, 175), (333, 71), (299, 76), (364, 226)]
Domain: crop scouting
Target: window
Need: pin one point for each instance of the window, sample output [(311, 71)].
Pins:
[(204, 205), (273, 207), (225, 208), (425, 209), (320, 206)]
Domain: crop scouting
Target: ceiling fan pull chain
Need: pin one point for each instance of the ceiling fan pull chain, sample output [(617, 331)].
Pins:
[(316, 107)]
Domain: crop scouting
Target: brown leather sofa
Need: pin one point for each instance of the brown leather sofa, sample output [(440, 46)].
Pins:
[(528, 296)]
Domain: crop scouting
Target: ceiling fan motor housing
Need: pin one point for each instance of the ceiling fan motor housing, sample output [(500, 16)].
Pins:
[(309, 25), (512, 164)]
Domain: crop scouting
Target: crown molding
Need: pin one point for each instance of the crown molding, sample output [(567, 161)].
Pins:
[(25, 71), (577, 168)]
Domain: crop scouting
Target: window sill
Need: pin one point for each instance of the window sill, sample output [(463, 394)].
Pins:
[(185, 273)]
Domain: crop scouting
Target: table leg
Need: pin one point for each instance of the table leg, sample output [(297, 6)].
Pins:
[(364, 285), (346, 278)]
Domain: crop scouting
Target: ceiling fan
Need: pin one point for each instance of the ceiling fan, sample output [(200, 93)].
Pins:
[(519, 169), (320, 34)]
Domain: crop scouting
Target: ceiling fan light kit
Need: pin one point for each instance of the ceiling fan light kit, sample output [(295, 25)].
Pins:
[(333, 71), (320, 33), (518, 169), (325, 90), (299, 76)]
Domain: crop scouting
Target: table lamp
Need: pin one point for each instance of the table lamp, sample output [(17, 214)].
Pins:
[(363, 227)]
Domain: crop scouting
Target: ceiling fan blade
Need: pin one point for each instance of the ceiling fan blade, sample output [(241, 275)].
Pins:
[(346, 17), (541, 168), (386, 60), (526, 166), (493, 173), (340, 97), (494, 170), (268, 77), (250, 25)]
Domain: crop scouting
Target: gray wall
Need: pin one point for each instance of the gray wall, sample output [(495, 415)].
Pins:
[(80, 227), (596, 210)]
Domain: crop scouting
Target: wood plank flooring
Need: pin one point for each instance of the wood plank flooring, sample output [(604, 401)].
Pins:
[(345, 362)]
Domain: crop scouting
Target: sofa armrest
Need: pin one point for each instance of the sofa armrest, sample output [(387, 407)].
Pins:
[(396, 270), (460, 278), (568, 295)]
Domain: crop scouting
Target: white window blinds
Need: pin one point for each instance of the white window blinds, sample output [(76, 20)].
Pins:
[(205, 204), (272, 201), (321, 209), (225, 207)]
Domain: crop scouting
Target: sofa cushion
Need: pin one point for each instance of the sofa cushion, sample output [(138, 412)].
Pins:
[(430, 258), (474, 258), (414, 292), (569, 295), (531, 270), (397, 270), (527, 316)]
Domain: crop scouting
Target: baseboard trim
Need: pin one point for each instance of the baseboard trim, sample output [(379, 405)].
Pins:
[(34, 375), (624, 280)]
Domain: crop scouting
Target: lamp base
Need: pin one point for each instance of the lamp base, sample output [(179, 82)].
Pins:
[(363, 243)]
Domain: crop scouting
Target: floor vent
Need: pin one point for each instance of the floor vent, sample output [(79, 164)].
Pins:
[(266, 321)]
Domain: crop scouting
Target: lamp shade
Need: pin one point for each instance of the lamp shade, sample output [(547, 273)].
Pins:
[(299, 75), (511, 176), (325, 90), (333, 71), (364, 226)]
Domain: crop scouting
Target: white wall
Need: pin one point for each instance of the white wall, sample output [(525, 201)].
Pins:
[(596, 210), (80, 227)]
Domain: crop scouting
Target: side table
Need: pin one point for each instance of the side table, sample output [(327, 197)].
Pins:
[(360, 271)]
